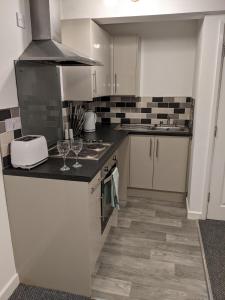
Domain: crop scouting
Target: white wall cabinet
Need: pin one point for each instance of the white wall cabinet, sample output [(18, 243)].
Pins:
[(159, 162), (85, 83), (126, 65)]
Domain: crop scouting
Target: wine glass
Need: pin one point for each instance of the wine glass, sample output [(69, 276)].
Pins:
[(76, 147), (63, 148)]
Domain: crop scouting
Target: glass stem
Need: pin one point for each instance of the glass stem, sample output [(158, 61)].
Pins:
[(64, 160), (76, 159)]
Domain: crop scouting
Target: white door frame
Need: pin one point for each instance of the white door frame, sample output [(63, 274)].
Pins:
[(220, 68)]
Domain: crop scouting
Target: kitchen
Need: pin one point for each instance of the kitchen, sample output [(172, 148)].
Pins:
[(148, 82)]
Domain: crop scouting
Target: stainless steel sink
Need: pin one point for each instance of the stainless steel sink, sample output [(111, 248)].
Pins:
[(146, 127), (170, 128)]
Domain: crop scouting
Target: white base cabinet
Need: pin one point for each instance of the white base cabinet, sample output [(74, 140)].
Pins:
[(159, 162)]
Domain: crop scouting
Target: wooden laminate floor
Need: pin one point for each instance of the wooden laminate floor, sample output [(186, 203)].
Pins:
[(154, 253)]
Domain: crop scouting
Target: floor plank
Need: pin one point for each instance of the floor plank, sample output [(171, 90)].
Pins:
[(154, 253)]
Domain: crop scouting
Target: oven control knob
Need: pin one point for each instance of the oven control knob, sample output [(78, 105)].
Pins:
[(106, 169)]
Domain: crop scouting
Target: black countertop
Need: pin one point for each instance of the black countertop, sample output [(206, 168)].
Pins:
[(51, 168)]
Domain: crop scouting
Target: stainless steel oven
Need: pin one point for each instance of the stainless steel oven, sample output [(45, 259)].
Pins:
[(107, 192)]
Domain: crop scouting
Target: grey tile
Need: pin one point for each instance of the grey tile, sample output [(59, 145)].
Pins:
[(2, 127), (15, 112), (168, 99), (152, 104), (135, 121)]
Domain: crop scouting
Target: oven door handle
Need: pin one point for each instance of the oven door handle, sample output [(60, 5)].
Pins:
[(109, 177)]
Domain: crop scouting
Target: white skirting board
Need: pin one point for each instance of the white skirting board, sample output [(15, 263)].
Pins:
[(9, 288), (191, 214)]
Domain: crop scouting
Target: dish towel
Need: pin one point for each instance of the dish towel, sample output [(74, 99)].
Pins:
[(115, 188)]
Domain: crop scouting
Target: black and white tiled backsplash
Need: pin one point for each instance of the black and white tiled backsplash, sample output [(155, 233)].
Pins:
[(109, 109), (10, 128), (143, 110)]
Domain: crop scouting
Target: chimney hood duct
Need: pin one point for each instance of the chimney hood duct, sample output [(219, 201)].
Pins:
[(46, 46)]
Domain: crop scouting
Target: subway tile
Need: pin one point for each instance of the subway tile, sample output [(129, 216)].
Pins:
[(184, 117), (2, 127), (105, 109), (130, 104), (188, 99), (152, 104), (5, 114), (135, 121), (168, 99), (15, 112), (115, 120), (186, 105), (173, 116), (6, 161), (115, 109), (146, 99), (120, 104), (151, 116), (180, 99), (162, 116), (146, 110), (115, 98), (141, 104), (65, 104), (106, 121), (157, 99), (5, 141), (105, 98), (17, 133), (179, 110), (145, 121), (174, 105), (125, 121), (133, 115), (120, 115), (125, 109), (162, 104)]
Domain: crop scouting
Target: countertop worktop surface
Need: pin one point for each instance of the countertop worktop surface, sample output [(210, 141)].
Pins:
[(51, 168)]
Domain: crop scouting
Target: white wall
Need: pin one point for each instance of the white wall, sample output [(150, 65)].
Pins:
[(206, 91), (167, 55), (120, 8), (13, 41), (8, 276)]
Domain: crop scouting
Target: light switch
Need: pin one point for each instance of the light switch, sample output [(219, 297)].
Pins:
[(20, 20)]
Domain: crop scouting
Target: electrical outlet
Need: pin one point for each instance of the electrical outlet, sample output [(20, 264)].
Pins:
[(20, 20)]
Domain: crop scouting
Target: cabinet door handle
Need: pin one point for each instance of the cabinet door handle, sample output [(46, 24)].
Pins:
[(150, 150), (157, 148), (94, 82), (115, 83)]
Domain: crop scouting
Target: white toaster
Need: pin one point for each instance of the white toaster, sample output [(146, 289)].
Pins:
[(29, 151)]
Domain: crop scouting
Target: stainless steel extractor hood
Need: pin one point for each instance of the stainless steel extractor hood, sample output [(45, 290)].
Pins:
[(46, 46)]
